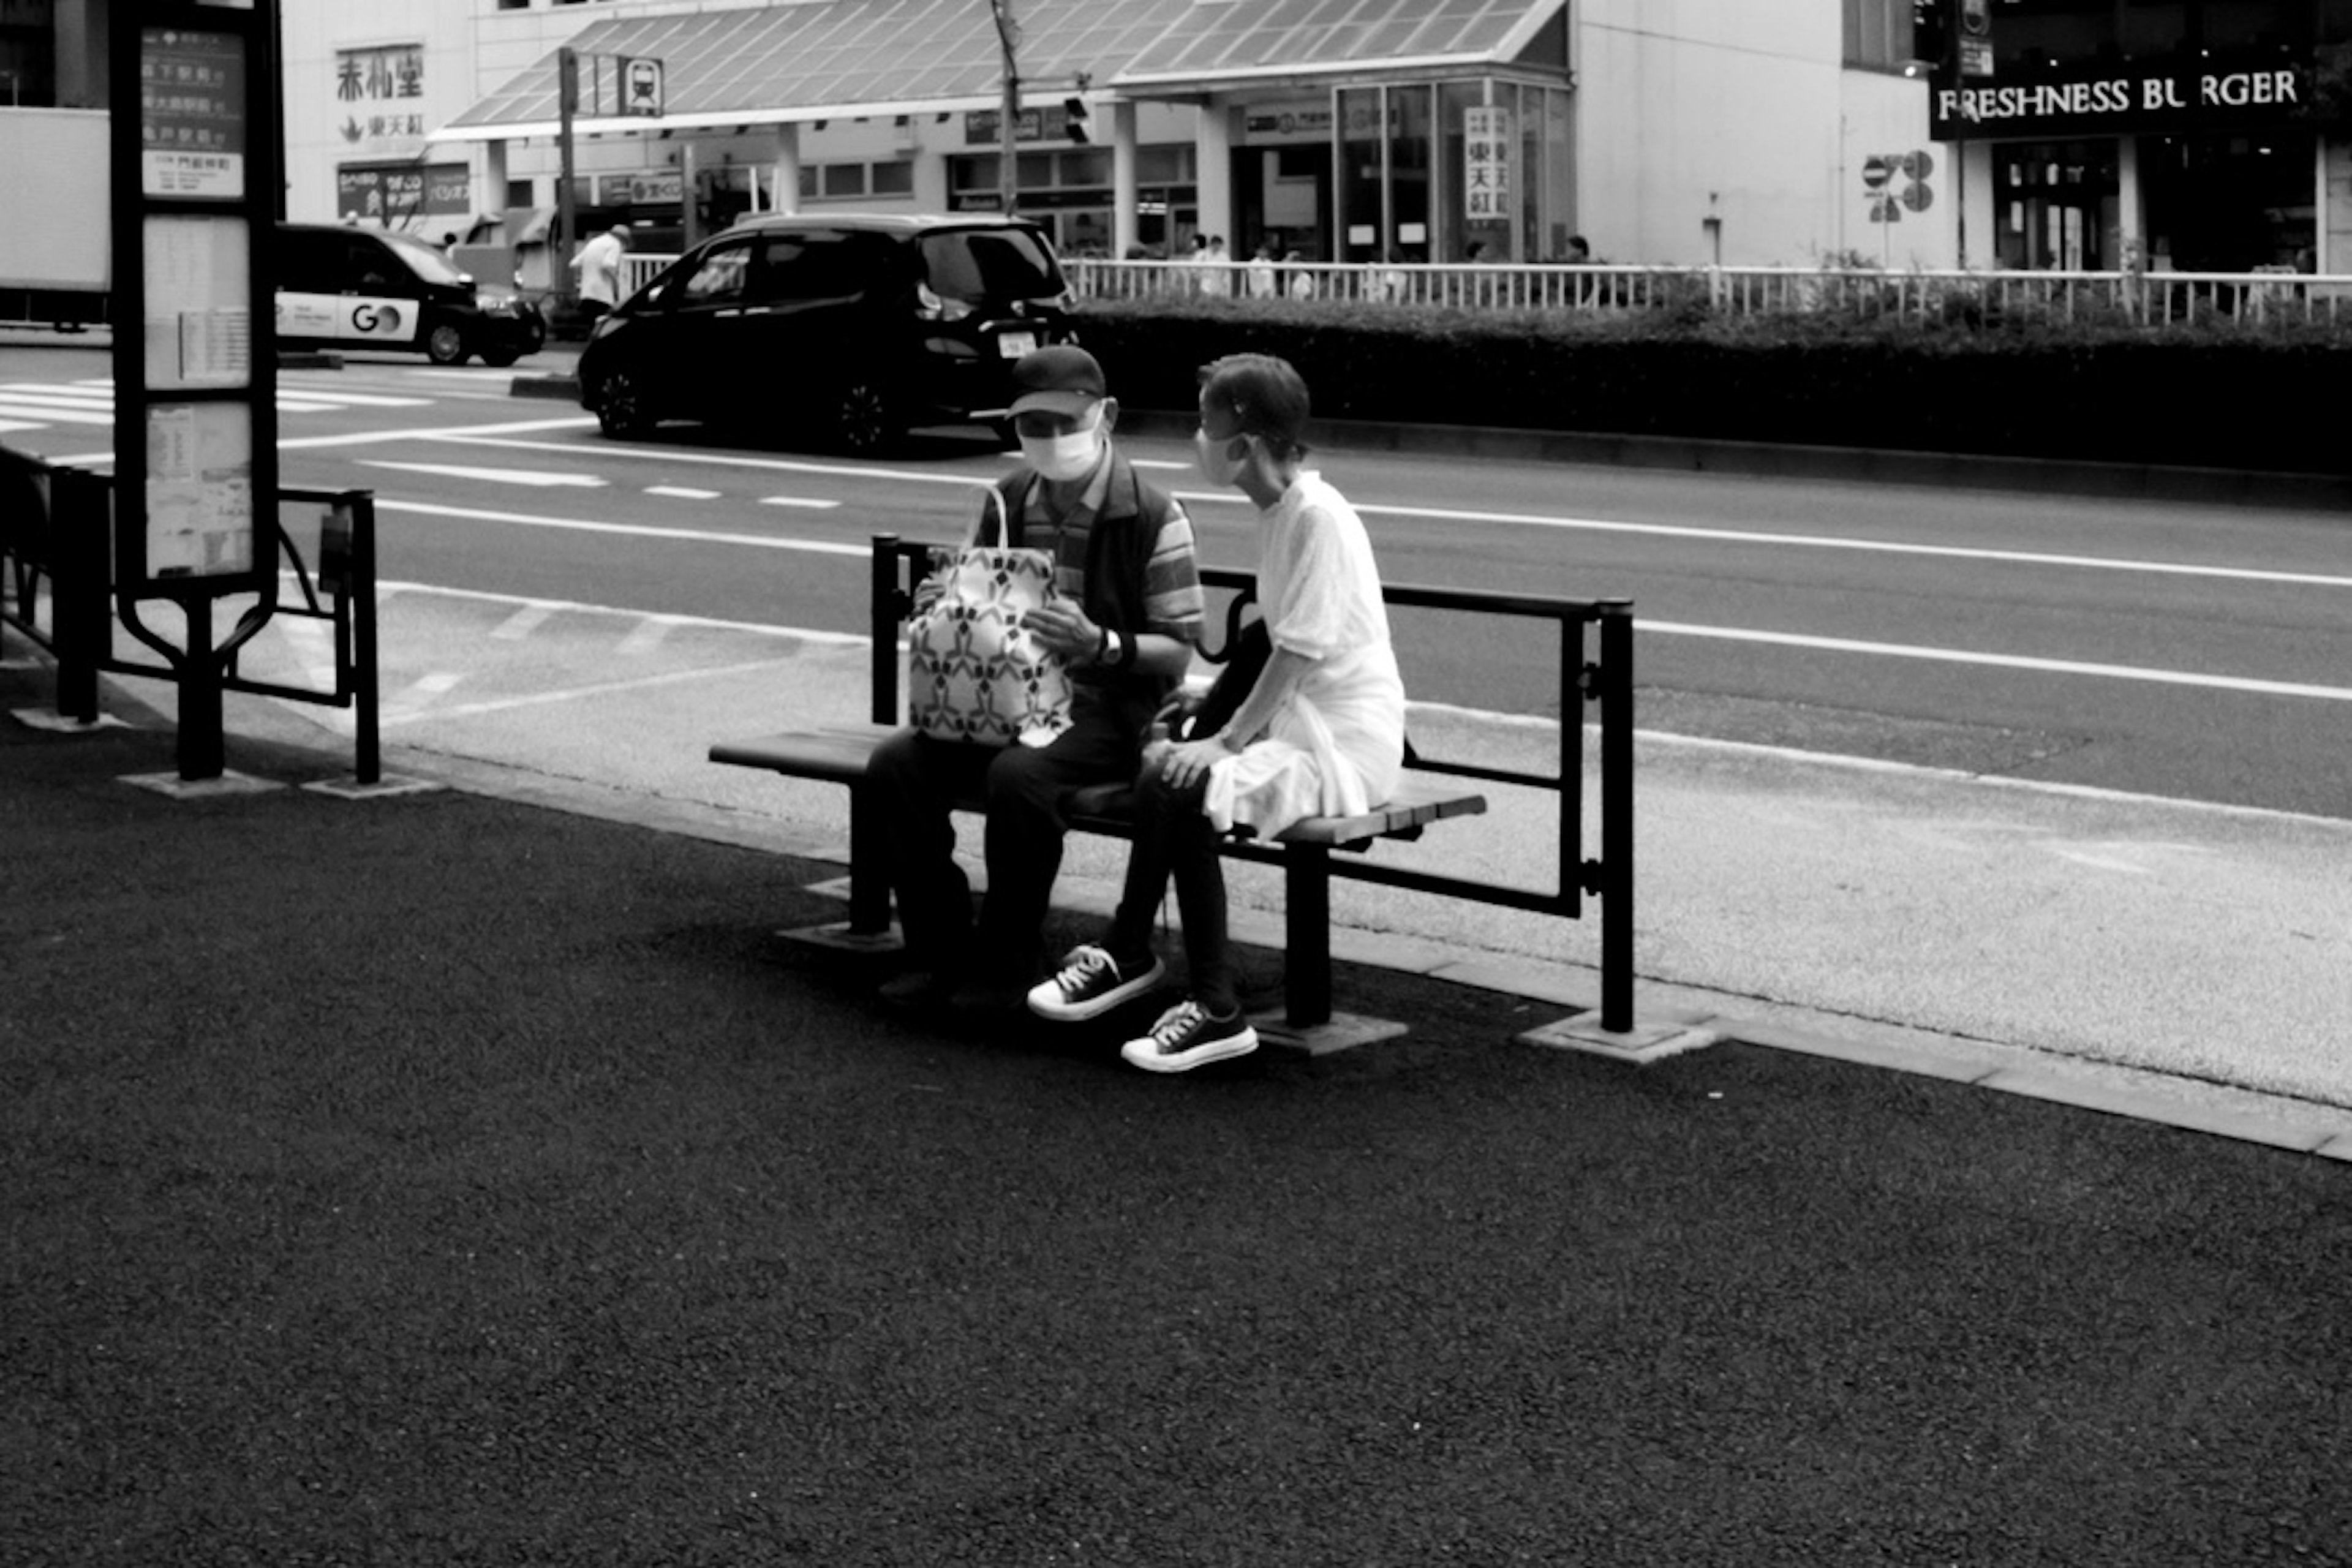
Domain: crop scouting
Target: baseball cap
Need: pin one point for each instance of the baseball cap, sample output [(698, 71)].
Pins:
[(1062, 379)]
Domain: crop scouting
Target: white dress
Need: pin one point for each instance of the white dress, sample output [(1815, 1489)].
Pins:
[(1336, 744)]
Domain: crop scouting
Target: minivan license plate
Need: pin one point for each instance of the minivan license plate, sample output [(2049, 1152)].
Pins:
[(1012, 345)]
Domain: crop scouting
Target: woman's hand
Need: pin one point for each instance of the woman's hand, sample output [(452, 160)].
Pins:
[(1184, 761)]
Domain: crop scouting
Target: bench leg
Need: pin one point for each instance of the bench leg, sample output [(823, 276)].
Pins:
[(869, 883), (1306, 935)]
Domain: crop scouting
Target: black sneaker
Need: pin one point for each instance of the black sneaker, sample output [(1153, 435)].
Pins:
[(1187, 1035), (1091, 983)]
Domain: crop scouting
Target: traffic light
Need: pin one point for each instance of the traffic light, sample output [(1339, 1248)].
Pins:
[(1074, 120)]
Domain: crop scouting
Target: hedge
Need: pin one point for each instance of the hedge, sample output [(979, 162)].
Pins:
[(2267, 398)]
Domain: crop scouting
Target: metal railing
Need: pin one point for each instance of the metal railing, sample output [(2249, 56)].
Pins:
[(54, 533), (1951, 295), (1596, 666)]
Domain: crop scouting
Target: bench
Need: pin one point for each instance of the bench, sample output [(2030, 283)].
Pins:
[(1428, 792)]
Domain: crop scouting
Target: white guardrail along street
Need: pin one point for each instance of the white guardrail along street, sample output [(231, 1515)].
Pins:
[(1954, 296)]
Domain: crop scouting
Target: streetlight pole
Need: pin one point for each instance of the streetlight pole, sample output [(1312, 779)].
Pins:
[(1008, 170)]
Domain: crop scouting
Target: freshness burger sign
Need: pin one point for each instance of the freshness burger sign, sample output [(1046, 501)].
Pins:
[(2113, 104)]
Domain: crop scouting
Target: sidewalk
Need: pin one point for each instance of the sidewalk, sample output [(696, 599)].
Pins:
[(445, 1179)]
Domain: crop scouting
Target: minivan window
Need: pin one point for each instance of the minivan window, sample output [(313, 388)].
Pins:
[(424, 260), (973, 264), (820, 265), (717, 279)]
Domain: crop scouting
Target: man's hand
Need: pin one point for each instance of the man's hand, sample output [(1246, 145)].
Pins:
[(1065, 630)]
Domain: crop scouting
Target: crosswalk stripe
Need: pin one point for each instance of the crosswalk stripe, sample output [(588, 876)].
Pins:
[(47, 390), (645, 637), (297, 396), (63, 415), (354, 399), (8, 425), (523, 623)]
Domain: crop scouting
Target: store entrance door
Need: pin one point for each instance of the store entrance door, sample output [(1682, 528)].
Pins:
[(2057, 205)]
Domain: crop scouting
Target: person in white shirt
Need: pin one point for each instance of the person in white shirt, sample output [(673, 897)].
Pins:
[(1320, 732), (598, 264)]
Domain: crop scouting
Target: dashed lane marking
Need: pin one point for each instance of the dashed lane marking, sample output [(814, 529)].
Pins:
[(526, 620), (799, 501), (640, 531), (645, 636), (541, 478), (681, 492)]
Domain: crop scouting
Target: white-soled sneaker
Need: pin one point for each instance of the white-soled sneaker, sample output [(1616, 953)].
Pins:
[(1186, 1037), (1091, 983)]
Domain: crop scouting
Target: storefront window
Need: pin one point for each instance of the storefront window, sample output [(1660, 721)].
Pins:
[(1362, 196), (2058, 205), (2230, 204), (1455, 100), (1410, 236)]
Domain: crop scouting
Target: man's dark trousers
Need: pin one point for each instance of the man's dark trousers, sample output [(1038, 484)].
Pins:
[(916, 779)]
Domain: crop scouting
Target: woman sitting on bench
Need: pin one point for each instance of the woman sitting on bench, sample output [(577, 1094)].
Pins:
[(1322, 733)]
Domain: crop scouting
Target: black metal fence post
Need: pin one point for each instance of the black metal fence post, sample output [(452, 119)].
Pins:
[(80, 565), (368, 761), (1616, 813)]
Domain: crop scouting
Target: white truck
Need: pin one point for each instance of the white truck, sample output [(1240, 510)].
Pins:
[(53, 188)]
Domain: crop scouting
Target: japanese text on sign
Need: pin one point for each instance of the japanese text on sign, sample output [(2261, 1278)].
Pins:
[(379, 94), (1485, 164), (191, 113)]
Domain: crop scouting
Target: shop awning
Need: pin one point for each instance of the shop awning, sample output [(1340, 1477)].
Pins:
[(1228, 42), (832, 58)]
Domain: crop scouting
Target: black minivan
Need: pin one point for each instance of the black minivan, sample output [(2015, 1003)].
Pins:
[(341, 287), (853, 327)]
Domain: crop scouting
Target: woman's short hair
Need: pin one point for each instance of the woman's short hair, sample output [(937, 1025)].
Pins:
[(1267, 398)]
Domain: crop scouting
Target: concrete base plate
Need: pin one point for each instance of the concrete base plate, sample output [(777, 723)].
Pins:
[(230, 783), (389, 785), (1344, 1032), (838, 937), (57, 723), (1641, 1043)]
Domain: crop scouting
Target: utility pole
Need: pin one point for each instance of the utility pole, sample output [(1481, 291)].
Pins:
[(1008, 170), (567, 103)]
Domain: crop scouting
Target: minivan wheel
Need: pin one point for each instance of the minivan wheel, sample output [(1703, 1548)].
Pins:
[(619, 405), (864, 419), (444, 345)]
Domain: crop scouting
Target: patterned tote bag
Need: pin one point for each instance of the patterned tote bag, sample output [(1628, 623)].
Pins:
[(973, 673)]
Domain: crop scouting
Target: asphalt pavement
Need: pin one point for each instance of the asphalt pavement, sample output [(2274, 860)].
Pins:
[(471, 1175)]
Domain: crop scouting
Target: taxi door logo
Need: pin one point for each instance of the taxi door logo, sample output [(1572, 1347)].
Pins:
[(376, 318)]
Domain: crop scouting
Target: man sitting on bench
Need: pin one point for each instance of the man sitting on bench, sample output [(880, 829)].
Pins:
[(1127, 613), (1320, 733)]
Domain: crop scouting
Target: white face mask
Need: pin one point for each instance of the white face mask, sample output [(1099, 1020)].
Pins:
[(1217, 463), (1065, 457)]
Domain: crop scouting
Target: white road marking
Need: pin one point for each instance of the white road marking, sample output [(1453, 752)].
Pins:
[(756, 628), (497, 436), (523, 622), (541, 478), (798, 500), (681, 492), (501, 705), (354, 399), (62, 413), (2003, 661), (8, 425), (640, 531), (1832, 541), (377, 437), (646, 635), (65, 392)]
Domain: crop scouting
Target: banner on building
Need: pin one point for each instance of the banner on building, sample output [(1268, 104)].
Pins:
[(1486, 164), (380, 99), (391, 194)]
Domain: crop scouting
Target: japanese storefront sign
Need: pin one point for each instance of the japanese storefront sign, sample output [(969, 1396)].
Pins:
[(191, 113), (391, 193), (2156, 99), (640, 190), (380, 98), (1486, 164)]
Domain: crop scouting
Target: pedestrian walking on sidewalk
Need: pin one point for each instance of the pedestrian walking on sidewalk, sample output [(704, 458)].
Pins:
[(1320, 732), (1124, 620)]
